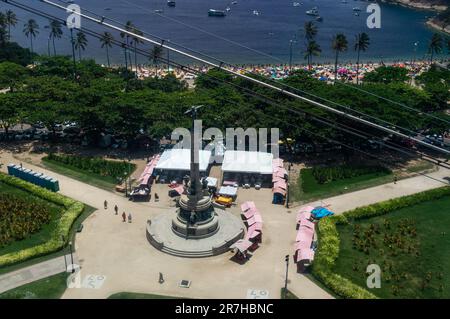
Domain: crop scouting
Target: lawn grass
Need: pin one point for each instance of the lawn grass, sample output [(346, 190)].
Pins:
[(135, 295), (103, 182), (287, 294), (43, 235), (48, 288), (423, 273), (307, 188)]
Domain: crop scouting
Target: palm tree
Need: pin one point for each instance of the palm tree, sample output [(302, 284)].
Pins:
[(435, 45), (310, 30), (30, 29), (3, 32), (106, 41), (129, 26), (11, 20), (339, 44), (55, 32), (80, 42), (312, 49), (135, 40), (361, 44), (155, 54)]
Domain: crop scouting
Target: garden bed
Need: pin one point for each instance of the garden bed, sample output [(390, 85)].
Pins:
[(407, 237), (48, 288), (91, 170), (52, 236)]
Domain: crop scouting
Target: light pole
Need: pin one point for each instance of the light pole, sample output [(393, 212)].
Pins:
[(125, 181), (286, 279), (168, 59), (65, 261), (291, 43), (71, 257), (48, 45)]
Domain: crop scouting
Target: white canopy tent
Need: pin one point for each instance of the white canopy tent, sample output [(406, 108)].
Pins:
[(247, 162), (180, 160)]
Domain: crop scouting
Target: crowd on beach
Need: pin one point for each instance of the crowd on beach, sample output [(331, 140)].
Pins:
[(322, 72)]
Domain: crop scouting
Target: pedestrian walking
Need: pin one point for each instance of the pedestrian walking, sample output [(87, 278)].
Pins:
[(105, 204), (116, 209), (124, 217), (156, 197), (129, 217), (395, 179)]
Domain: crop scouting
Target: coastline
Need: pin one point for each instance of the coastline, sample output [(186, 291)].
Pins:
[(431, 22), (418, 5)]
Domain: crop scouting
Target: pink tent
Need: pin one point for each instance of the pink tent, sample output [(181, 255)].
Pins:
[(277, 179), (280, 184), (304, 254), (307, 223), (277, 162), (303, 216), (247, 205), (252, 234), (179, 189), (250, 213), (242, 245)]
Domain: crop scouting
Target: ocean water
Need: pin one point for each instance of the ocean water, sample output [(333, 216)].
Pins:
[(243, 37)]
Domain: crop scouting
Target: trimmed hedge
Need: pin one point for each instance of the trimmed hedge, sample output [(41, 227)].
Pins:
[(329, 242), (72, 209)]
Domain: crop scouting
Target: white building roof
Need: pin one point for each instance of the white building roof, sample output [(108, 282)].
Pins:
[(180, 159), (247, 162)]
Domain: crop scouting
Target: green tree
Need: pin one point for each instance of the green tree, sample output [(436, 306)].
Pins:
[(361, 44), (30, 29), (435, 46), (80, 43), (9, 110), (11, 21), (11, 74), (312, 49), (339, 44), (387, 74), (155, 55), (106, 40), (55, 32), (3, 31)]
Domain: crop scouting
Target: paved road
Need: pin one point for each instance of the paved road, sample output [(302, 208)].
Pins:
[(35, 272), (120, 253)]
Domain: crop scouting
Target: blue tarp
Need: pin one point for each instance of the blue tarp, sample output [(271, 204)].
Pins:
[(320, 212)]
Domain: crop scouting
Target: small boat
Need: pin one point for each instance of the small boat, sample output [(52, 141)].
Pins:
[(216, 13), (296, 4), (357, 9), (234, 2), (171, 3), (313, 12), (108, 9), (256, 12), (319, 19), (159, 11), (344, 1), (228, 9), (356, 14)]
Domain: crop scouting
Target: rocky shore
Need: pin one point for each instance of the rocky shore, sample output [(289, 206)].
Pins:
[(439, 6)]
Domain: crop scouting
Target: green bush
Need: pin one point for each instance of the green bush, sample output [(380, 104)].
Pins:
[(72, 209), (95, 165), (329, 242)]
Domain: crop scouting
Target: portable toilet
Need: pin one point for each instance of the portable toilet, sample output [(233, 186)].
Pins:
[(54, 185)]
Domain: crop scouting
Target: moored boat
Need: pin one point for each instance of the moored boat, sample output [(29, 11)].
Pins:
[(216, 13)]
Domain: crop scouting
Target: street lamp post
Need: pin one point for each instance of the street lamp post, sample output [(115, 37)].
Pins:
[(291, 42), (71, 257), (286, 279), (48, 45), (126, 186)]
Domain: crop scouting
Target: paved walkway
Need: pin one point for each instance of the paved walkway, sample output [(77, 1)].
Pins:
[(120, 254), (33, 273)]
